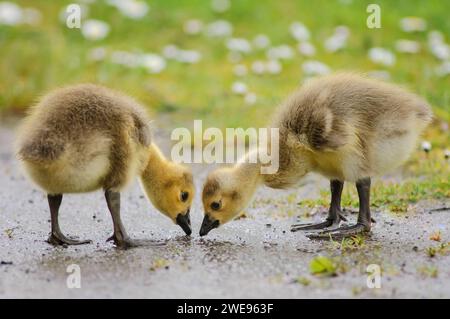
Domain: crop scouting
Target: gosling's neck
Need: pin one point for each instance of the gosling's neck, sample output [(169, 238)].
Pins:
[(157, 164), (248, 175)]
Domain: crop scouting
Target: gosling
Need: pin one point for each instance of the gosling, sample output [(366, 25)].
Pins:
[(85, 137), (345, 127)]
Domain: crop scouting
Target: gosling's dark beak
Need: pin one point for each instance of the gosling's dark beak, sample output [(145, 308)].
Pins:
[(184, 221), (207, 225)]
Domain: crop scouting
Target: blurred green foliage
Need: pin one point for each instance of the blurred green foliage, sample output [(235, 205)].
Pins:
[(34, 59)]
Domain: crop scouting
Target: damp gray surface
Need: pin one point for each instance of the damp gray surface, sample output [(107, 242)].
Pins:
[(253, 257)]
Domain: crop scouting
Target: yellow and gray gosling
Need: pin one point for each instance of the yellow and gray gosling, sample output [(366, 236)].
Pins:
[(343, 126), (85, 137)]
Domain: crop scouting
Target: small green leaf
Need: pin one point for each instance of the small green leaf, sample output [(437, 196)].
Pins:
[(303, 281), (321, 265)]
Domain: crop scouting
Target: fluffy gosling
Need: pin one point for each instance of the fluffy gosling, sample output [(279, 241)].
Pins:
[(345, 127), (85, 137)]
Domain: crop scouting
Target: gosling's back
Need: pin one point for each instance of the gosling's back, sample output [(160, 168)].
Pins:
[(353, 126), (83, 137)]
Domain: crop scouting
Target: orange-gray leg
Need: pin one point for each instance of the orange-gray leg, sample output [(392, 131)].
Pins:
[(363, 224), (56, 236), (334, 213), (119, 236)]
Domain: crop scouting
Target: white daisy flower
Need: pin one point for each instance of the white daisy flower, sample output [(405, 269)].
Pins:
[(338, 40), (219, 28), (407, 46), (273, 67), (170, 51), (306, 49), (240, 70), (447, 153), (261, 41), (380, 75), (440, 51), (220, 5), (435, 37), (334, 43), (299, 31), (10, 13), (94, 30), (426, 146), (125, 58), (250, 98), (188, 56), (280, 52), (443, 69), (258, 67), (154, 63), (413, 24), (193, 26), (239, 88), (382, 56), (131, 8), (32, 16), (342, 31), (97, 54), (312, 68), (238, 44)]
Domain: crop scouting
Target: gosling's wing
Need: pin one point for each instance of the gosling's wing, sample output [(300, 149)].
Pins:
[(142, 128), (40, 147), (318, 129), (325, 131)]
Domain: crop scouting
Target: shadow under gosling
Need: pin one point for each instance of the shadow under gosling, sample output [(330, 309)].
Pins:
[(85, 137), (345, 127)]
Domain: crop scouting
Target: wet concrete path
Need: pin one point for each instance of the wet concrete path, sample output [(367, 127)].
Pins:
[(252, 257)]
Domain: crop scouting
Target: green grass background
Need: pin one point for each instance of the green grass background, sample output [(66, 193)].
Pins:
[(34, 60)]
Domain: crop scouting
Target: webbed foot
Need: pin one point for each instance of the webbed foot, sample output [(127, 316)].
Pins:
[(330, 222), (311, 226), (342, 232), (57, 239), (123, 242)]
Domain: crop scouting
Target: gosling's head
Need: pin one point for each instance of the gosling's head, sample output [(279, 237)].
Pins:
[(170, 188), (226, 192)]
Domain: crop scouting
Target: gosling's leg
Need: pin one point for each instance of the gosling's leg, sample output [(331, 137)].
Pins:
[(119, 236), (334, 213), (364, 220), (56, 236)]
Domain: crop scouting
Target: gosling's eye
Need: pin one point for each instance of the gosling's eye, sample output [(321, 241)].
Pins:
[(215, 205), (184, 196)]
